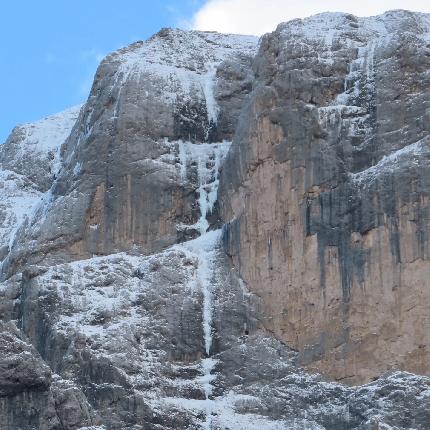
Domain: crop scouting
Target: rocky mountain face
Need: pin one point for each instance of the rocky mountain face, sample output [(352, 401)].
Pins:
[(226, 232), (326, 192)]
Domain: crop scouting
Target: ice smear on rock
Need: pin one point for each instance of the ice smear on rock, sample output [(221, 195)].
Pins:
[(208, 158), (205, 249), (208, 90)]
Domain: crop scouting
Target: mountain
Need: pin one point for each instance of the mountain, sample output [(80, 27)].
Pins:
[(229, 233)]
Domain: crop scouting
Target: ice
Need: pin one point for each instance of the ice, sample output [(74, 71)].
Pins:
[(204, 248), (209, 158), (206, 159), (208, 89), (77, 169), (208, 366)]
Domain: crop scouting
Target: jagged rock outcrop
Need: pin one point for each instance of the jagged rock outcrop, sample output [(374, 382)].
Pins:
[(119, 306), (326, 191), (29, 162), (31, 397)]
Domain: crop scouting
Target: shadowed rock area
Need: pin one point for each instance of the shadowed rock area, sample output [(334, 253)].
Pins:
[(226, 230)]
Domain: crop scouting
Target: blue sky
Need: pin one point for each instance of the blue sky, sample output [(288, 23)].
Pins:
[(50, 48)]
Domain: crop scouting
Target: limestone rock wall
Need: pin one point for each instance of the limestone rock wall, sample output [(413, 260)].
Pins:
[(119, 308), (326, 192)]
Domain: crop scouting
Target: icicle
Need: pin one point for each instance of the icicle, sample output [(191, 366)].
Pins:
[(182, 151), (208, 159), (208, 90)]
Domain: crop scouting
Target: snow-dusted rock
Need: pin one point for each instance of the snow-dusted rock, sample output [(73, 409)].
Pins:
[(31, 397), (120, 308), (33, 150), (121, 184), (29, 163), (174, 340)]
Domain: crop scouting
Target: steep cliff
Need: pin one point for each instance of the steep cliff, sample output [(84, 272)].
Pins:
[(118, 186), (120, 308), (326, 191)]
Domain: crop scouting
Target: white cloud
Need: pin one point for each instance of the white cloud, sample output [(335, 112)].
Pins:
[(260, 16)]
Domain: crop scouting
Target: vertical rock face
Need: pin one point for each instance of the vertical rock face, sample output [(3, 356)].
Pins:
[(326, 191), (119, 186), (119, 308)]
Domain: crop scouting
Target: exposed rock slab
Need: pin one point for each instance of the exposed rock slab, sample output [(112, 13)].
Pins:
[(326, 191)]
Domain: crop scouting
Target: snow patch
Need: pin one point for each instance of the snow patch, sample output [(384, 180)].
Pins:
[(390, 162), (221, 413), (20, 196), (47, 135)]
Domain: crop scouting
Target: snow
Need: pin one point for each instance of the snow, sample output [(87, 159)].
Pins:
[(174, 50), (390, 162), (328, 26), (48, 134), (102, 296), (350, 109), (18, 199), (92, 428), (221, 413), (107, 287)]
